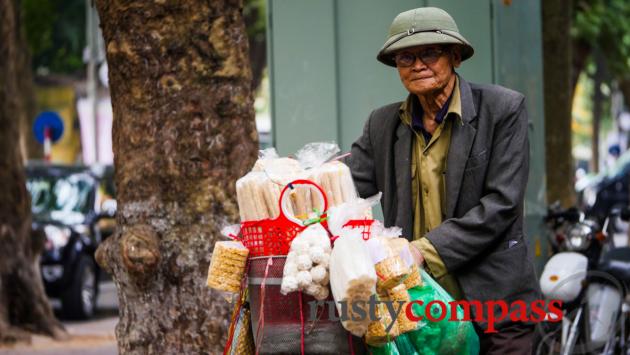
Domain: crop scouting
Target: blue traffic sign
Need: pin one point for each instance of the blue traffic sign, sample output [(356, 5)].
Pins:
[(51, 120)]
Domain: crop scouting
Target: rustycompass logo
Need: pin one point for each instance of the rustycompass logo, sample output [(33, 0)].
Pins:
[(489, 312)]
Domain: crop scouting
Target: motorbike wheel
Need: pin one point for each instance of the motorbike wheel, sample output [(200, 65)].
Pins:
[(79, 300)]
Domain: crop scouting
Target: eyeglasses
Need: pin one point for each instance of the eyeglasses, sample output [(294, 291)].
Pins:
[(427, 56)]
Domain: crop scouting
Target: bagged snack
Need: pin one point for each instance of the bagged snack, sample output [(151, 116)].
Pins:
[(227, 266), (352, 277), (401, 247), (306, 267), (258, 191), (413, 279), (336, 181), (390, 268), (400, 294), (391, 271), (383, 330), (445, 336), (257, 197)]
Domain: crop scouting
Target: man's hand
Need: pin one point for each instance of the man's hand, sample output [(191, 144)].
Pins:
[(417, 256)]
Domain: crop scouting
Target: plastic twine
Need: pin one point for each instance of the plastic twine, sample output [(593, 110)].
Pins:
[(301, 326), (261, 316), (237, 316), (350, 343)]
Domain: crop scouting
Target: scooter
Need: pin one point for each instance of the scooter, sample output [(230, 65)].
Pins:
[(590, 276)]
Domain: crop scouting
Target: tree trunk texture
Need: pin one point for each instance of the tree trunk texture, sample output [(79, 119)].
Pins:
[(24, 306), (183, 132), (257, 47), (579, 56), (558, 99), (624, 86), (598, 110), (31, 148)]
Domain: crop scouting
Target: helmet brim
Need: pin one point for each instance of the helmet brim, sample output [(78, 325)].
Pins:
[(403, 41)]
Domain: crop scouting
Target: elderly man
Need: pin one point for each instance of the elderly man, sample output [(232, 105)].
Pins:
[(452, 164)]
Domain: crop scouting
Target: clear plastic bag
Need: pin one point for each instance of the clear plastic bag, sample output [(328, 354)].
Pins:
[(259, 190), (354, 209)]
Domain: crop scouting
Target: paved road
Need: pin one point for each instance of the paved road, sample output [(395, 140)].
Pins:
[(94, 337)]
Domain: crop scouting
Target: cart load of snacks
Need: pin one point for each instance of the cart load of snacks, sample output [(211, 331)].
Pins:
[(313, 273)]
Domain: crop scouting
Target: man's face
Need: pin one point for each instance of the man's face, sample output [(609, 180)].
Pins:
[(429, 74)]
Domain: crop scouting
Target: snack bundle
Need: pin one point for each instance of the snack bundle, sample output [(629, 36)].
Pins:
[(353, 269), (227, 266), (352, 278), (377, 332), (306, 266), (258, 192)]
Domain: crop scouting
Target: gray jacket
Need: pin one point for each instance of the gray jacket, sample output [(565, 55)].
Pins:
[(481, 239)]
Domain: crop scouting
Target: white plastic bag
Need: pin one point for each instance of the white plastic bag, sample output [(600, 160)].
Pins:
[(352, 277)]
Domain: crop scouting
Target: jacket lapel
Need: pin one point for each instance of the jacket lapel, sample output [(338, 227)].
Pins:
[(402, 162), (462, 137)]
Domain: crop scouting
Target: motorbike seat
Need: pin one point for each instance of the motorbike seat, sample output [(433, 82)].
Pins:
[(617, 263)]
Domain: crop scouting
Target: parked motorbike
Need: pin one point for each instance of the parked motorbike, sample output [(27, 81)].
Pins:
[(590, 276)]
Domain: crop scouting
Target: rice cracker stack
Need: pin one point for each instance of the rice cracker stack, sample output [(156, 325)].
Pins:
[(401, 247), (398, 294), (227, 266), (413, 279), (391, 271), (377, 332), (336, 180)]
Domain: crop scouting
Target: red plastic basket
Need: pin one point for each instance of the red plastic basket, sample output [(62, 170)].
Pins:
[(273, 236)]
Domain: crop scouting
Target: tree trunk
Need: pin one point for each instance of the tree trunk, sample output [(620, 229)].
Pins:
[(624, 86), (558, 91), (183, 132), (23, 302), (257, 43), (598, 110), (581, 52)]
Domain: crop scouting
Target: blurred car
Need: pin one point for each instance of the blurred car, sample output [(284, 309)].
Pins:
[(74, 207)]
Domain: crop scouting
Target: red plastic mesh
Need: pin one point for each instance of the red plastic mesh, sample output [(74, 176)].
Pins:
[(280, 327), (270, 236)]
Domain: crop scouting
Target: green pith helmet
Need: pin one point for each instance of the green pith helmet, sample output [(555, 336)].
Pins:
[(417, 27)]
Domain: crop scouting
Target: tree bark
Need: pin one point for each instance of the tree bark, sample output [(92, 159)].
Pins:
[(624, 86), (558, 99), (183, 132), (598, 110), (23, 302), (581, 51), (257, 45)]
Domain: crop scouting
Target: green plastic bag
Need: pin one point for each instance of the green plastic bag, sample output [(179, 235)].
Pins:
[(387, 349), (444, 336), (405, 346)]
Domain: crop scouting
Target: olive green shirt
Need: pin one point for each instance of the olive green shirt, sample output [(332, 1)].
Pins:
[(428, 186)]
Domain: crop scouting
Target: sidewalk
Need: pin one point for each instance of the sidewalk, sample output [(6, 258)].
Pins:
[(93, 337)]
